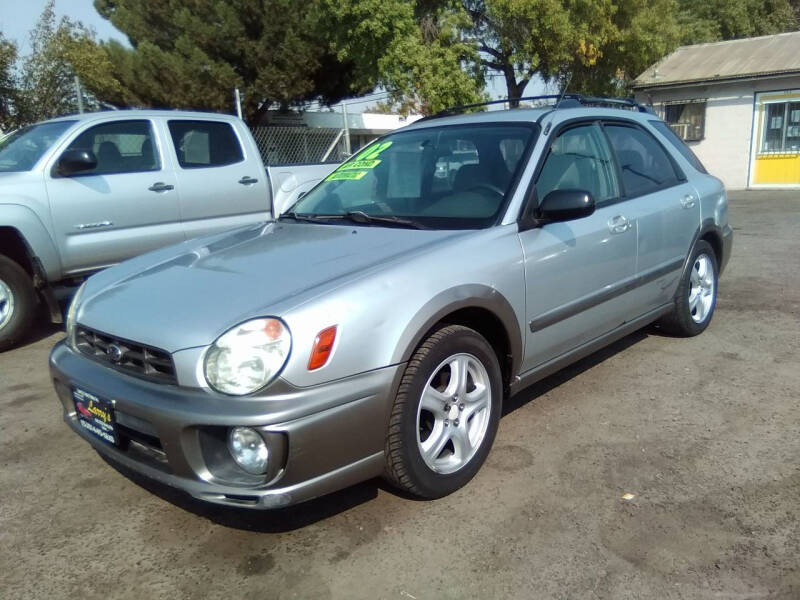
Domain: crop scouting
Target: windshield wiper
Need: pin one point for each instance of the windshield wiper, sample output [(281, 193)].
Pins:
[(298, 217), (357, 216)]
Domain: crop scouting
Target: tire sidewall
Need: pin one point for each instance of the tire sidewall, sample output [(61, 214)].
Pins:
[(693, 327), (465, 341), (15, 278)]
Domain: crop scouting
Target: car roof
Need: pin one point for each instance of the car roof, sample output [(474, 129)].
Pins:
[(139, 113), (533, 115)]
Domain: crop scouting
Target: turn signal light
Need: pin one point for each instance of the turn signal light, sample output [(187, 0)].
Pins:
[(321, 351)]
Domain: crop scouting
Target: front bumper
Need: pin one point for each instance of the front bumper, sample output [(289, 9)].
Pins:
[(322, 438)]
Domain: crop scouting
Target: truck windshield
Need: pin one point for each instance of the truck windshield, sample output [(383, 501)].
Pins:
[(448, 177), (22, 149)]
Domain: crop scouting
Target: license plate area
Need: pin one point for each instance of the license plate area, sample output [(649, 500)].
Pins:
[(95, 415)]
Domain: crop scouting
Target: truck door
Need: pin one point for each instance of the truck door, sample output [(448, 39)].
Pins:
[(220, 184), (123, 207)]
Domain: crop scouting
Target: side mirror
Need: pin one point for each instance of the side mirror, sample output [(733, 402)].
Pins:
[(76, 161), (565, 205)]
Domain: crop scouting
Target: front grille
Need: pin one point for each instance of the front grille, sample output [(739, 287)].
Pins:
[(126, 356)]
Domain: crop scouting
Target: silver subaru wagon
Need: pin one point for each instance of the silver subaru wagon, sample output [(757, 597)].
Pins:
[(377, 326)]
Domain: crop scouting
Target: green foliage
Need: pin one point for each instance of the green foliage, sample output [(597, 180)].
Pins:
[(193, 53), (523, 39), (713, 20), (412, 49), (8, 87), (60, 50), (636, 41)]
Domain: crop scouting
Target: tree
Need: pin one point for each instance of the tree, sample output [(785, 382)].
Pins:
[(642, 32), (59, 51), (412, 49), (193, 53), (524, 39), (714, 20), (8, 87)]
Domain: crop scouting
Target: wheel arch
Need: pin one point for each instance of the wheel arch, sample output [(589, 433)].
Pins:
[(478, 307)]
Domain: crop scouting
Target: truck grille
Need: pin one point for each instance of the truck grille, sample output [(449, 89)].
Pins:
[(126, 356)]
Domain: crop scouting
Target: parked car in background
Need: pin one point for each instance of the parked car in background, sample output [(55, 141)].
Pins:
[(376, 327), (80, 193)]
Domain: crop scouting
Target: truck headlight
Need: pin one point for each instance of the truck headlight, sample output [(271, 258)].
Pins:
[(247, 357), (72, 314)]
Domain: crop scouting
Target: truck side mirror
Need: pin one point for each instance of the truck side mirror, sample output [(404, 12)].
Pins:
[(76, 161)]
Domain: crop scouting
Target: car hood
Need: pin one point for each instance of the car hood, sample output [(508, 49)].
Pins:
[(188, 295)]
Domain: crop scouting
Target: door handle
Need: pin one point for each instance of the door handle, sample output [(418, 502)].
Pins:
[(688, 201), (160, 186), (246, 180), (619, 224)]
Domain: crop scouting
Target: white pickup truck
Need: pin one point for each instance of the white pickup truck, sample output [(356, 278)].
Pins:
[(81, 193)]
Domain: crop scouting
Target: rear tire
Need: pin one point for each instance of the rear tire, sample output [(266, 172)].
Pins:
[(696, 297), (445, 414), (17, 303)]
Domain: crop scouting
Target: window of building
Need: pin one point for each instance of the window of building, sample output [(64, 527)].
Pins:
[(781, 128), (205, 144), (687, 119)]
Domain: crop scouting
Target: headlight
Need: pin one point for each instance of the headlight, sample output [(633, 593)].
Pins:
[(247, 357), (72, 313)]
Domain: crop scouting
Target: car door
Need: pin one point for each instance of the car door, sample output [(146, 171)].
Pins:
[(124, 206), (665, 206), (219, 185), (577, 272)]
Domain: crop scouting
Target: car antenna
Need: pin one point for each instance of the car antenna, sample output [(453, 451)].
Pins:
[(564, 89)]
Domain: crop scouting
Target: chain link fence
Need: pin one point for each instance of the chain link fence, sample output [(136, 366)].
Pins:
[(298, 145)]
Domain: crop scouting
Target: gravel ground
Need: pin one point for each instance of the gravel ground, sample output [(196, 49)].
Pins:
[(705, 432)]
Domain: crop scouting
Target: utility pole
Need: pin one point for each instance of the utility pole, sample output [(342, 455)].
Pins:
[(238, 100), (79, 94), (346, 130)]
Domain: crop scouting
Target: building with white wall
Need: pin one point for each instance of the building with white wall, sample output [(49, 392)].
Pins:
[(736, 104)]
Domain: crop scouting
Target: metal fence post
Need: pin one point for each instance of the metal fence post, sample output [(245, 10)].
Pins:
[(346, 130)]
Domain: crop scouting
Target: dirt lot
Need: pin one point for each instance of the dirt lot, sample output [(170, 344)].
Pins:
[(705, 432)]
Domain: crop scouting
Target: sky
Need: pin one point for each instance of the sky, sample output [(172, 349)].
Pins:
[(18, 17)]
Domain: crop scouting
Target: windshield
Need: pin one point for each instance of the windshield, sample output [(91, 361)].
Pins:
[(449, 177), (22, 149)]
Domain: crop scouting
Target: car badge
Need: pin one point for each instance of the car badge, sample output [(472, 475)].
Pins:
[(115, 353)]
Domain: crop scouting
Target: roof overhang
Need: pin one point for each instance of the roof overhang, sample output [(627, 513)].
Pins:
[(643, 87)]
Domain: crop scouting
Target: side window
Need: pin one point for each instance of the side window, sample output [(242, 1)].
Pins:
[(644, 163), (119, 147), (201, 144), (579, 159), (678, 144)]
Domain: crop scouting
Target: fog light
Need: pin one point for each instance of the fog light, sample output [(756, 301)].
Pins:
[(248, 449)]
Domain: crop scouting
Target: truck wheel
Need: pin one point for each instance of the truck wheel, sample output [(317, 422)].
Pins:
[(445, 413), (17, 303), (696, 296)]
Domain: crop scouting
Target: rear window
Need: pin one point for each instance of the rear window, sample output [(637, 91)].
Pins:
[(201, 144), (678, 144)]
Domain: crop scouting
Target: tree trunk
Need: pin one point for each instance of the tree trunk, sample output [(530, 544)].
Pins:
[(514, 87)]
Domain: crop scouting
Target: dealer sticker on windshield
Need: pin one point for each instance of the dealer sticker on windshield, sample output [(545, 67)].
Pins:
[(95, 415)]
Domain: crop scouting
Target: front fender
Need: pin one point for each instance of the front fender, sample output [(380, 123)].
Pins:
[(457, 298), (35, 235)]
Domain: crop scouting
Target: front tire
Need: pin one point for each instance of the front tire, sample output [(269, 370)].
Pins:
[(696, 297), (445, 414), (17, 303)]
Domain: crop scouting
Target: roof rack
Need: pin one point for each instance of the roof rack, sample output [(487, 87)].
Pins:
[(565, 101)]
